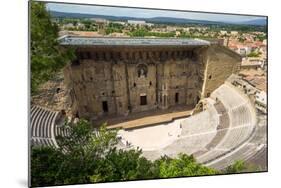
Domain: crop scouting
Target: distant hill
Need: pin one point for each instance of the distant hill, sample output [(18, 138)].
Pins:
[(179, 20), (56, 14), (260, 22), (171, 20)]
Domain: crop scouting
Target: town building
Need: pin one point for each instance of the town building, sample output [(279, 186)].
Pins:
[(261, 101), (252, 63), (100, 20), (136, 22)]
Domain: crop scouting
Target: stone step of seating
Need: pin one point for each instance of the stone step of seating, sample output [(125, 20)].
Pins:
[(61, 131), (223, 122), (36, 141), (199, 153), (259, 136), (217, 139), (259, 158), (242, 154), (42, 124), (220, 108), (241, 116), (32, 109), (235, 128), (235, 137), (34, 121), (228, 96), (32, 117), (48, 129), (190, 144), (205, 121), (250, 151), (211, 155)]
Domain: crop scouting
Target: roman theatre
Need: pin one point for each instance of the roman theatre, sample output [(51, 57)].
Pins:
[(166, 96)]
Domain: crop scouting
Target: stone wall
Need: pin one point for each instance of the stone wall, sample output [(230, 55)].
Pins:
[(54, 95), (220, 63), (114, 81), (110, 81)]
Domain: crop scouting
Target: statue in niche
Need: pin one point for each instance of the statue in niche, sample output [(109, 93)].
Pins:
[(142, 71)]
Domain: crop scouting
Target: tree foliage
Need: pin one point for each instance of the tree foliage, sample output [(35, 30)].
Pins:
[(184, 165), (77, 158), (254, 54), (124, 165), (87, 156), (260, 37), (46, 55), (241, 166), (44, 166), (238, 166)]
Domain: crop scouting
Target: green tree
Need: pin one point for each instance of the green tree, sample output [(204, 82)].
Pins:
[(260, 37), (124, 165), (241, 39), (76, 159), (46, 55), (254, 54), (238, 166), (44, 166), (241, 166), (87, 156), (184, 165)]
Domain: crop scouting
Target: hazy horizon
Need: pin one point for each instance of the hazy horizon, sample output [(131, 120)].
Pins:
[(147, 13)]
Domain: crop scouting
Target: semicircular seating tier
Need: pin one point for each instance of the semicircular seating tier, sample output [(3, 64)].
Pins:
[(224, 132), (225, 127), (44, 128), (253, 150)]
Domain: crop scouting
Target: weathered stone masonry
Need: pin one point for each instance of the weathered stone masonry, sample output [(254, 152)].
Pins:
[(146, 74)]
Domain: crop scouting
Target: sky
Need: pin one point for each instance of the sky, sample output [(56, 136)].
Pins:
[(146, 13)]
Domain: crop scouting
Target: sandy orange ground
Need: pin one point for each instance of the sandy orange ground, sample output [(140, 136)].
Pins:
[(148, 118)]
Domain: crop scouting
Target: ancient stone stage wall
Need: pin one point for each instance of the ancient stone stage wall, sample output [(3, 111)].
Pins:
[(109, 80)]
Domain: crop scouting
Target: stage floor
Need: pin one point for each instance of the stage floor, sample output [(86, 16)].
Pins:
[(142, 119)]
